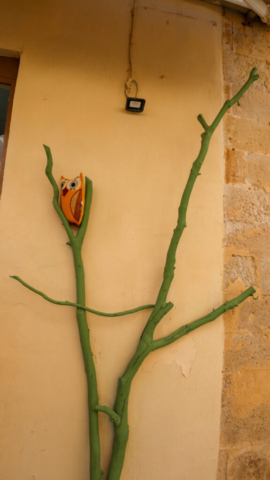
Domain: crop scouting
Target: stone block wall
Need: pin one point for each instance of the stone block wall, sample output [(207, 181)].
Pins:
[(245, 417)]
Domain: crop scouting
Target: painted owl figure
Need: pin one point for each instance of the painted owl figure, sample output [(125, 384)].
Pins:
[(72, 198)]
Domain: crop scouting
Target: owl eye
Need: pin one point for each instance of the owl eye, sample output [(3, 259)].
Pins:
[(63, 184), (74, 184)]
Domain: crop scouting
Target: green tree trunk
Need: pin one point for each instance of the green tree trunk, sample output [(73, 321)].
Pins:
[(95, 471), (146, 344)]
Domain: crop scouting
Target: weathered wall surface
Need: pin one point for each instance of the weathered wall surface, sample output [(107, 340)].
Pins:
[(245, 419), (70, 96)]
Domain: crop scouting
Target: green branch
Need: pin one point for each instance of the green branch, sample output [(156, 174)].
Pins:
[(78, 240), (83, 307), (56, 205), (180, 332), (113, 416), (90, 370), (146, 344), (229, 103), (88, 201), (202, 122), (168, 274)]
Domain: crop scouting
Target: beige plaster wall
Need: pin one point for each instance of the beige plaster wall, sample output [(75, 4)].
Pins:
[(70, 96)]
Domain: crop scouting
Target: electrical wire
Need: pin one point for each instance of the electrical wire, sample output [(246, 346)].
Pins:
[(128, 85), (130, 79)]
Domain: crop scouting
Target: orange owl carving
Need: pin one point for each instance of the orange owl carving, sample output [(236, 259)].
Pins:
[(72, 198)]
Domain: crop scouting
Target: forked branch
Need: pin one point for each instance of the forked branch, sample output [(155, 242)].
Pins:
[(146, 344), (119, 415), (74, 240), (76, 245), (168, 274)]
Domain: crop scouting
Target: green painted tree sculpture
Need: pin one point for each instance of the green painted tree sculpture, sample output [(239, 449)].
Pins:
[(147, 344)]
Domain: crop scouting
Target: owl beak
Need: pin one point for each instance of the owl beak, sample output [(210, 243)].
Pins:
[(65, 191)]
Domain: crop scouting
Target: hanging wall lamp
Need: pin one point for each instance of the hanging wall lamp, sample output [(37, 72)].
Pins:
[(133, 104)]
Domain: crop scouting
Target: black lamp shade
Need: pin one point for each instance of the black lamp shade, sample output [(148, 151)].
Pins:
[(135, 104)]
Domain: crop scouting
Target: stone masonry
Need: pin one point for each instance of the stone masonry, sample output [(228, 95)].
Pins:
[(245, 417)]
